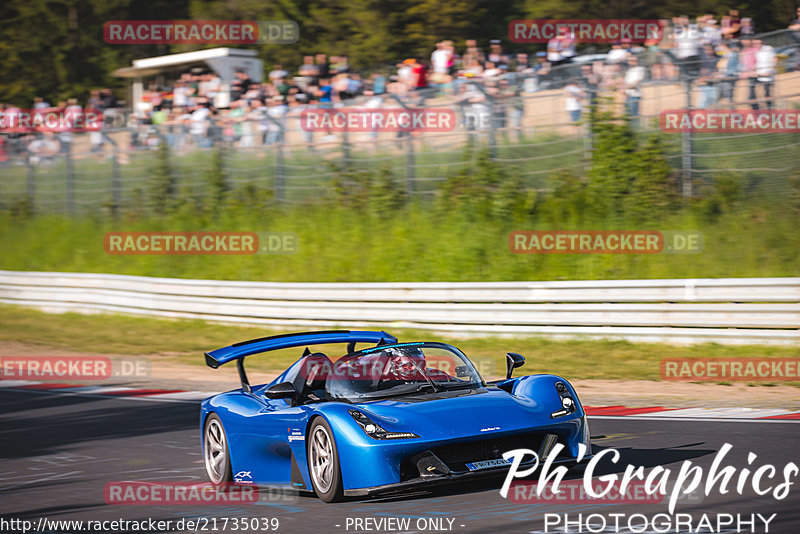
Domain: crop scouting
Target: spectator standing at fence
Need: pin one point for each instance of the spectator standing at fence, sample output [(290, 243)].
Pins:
[(617, 54), (747, 69), (343, 87), (325, 93), (728, 67), (214, 88), (441, 60), (591, 85), (276, 110), (708, 78), (43, 149), (41, 103), (179, 127), (308, 72), (198, 125), (766, 61), (496, 54), (377, 84), (731, 25), (249, 124), (296, 104), (491, 71), (94, 102), (404, 74), (419, 78), (747, 27), (711, 32), (73, 113), (561, 48), (240, 85), (471, 67), (323, 67), (573, 101), (473, 53), (180, 95), (632, 81), (277, 73), (687, 45)]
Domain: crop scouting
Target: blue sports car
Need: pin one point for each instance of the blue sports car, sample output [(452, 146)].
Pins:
[(381, 419)]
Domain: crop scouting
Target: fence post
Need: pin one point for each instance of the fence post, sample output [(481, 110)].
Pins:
[(346, 148), (30, 185), (686, 146), (280, 179), (115, 181), (410, 154), (410, 164), (490, 103), (70, 183)]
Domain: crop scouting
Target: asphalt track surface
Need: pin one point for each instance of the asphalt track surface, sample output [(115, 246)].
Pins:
[(57, 452)]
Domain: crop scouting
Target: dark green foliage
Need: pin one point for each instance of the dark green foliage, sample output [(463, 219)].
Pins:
[(162, 182), (56, 49)]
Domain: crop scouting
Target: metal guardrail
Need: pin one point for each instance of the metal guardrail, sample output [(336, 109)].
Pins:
[(733, 310)]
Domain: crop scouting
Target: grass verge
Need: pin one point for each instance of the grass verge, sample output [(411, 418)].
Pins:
[(184, 341)]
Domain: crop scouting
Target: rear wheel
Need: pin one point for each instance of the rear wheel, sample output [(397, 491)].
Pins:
[(323, 462), (215, 451)]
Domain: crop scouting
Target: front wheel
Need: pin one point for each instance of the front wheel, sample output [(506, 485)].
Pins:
[(215, 451), (323, 462)]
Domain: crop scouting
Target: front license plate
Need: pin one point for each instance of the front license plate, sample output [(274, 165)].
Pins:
[(474, 466)]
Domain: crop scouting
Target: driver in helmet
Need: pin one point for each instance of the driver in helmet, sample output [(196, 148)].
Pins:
[(406, 364)]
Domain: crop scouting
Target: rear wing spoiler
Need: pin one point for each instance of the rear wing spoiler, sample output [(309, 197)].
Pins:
[(239, 351)]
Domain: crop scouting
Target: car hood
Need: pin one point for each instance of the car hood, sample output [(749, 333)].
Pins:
[(461, 413)]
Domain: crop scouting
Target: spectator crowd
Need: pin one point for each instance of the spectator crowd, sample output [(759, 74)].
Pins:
[(198, 110)]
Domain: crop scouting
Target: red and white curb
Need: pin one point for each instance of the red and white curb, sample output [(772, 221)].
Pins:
[(710, 414), (595, 412)]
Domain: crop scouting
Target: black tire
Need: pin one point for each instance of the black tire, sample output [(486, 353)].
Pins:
[(326, 479), (216, 453)]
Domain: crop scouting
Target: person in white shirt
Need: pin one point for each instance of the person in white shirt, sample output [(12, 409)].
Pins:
[(634, 76), (198, 125), (765, 68), (574, 101), (617, 54), (686, 39), (440, 59), (711, 33), (276, 109)]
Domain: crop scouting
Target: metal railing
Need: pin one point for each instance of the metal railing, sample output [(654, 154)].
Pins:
[(733, 310)]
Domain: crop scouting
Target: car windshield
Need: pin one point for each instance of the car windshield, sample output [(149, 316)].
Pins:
[(406, 368)]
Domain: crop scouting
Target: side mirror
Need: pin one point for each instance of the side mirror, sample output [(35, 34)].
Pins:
[(284, 390), (513, 360)]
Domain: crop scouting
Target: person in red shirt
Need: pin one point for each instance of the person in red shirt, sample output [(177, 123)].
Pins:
[(419, 74)]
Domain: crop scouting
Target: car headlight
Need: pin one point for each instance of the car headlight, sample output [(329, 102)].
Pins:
[(374, 430), (567, 402)]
